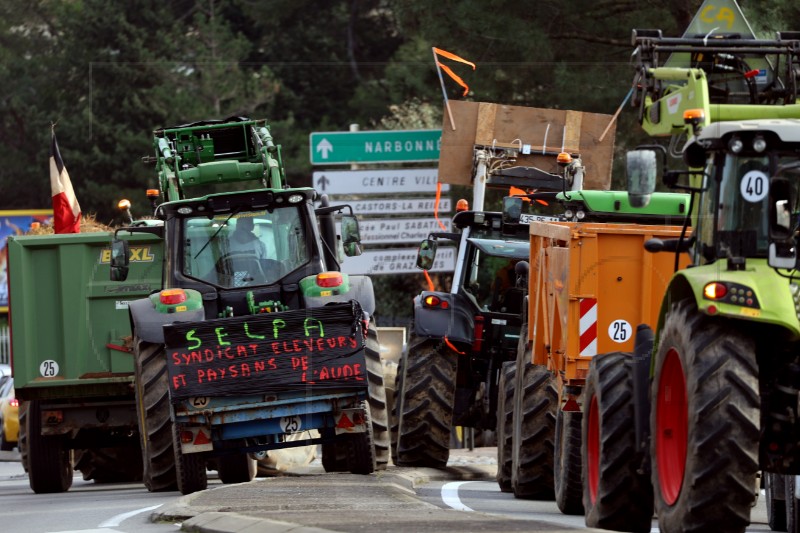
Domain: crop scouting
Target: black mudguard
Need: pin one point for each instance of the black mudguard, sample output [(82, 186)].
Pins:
[(361, 290), (147, 323), (454, 320)]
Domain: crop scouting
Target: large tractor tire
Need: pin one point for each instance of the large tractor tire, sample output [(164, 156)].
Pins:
[(378, 406), (704, 423), (775, 492), (396, 407), (154, 414), (615, 495), (236, 467), (534, 420), (567, 472), (109, 465), (426, 400), (505, 425), (792, 508), (361, 449), (49, 458)]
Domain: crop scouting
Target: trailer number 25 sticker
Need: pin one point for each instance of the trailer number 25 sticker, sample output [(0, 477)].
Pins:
[(754, 186), (199, 402), (48, 369), (291, 424), (620, 331)]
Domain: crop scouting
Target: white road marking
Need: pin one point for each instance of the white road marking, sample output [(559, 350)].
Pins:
[(104, 530), (450, 495), (114, 521)]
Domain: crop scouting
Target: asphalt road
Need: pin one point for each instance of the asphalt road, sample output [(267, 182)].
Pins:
[(462, 498)]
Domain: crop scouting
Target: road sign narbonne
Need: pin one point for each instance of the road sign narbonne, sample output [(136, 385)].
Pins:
[(388, 146)]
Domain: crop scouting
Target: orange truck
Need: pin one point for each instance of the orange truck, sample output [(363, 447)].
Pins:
[(590, 282)]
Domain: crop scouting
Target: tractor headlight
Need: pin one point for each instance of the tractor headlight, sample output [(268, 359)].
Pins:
[(759, 143), (735, 145)]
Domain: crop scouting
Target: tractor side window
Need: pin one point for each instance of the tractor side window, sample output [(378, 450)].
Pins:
[(744, 205)]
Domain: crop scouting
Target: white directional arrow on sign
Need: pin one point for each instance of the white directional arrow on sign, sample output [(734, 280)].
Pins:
[(401, 180), (323, 147)]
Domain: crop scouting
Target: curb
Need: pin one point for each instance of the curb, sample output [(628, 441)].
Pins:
[(411, 480), (205, 520), (216, 522)]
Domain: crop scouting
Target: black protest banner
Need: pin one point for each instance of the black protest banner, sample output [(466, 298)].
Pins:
[(321, 347)]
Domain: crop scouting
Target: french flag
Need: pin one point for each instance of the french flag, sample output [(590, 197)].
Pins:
[(66, 210)]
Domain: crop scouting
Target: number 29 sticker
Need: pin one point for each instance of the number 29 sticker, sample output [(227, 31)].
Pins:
[(620, 331)]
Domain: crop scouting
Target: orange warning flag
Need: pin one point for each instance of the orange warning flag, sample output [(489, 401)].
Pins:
[(456, 78), (516, 191)]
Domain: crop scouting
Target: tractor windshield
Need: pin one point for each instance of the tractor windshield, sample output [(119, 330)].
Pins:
[(736, 210), (489, 276), (245, 249)]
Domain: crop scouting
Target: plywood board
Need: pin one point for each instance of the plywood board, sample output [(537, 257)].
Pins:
[(545, 130)]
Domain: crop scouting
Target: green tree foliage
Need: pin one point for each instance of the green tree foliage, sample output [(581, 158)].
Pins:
[(108, 73)]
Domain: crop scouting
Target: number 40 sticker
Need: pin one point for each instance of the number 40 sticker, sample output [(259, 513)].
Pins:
[(620, 331), (754, 186)]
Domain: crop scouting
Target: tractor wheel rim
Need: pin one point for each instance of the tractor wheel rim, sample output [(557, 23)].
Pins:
[(671, 427), (593, 449)]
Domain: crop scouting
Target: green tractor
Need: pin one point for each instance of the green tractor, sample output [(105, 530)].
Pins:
[(255, 334), (713, 391)]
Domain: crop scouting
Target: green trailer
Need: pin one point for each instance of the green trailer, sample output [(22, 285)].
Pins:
[(71, 357)]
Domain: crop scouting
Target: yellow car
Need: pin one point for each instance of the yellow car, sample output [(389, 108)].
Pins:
[(9, 415)]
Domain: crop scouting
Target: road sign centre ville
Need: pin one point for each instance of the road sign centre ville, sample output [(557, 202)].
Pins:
[(389, 146)]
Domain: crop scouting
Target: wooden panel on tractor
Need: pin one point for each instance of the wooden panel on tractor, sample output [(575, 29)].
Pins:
[(477, 124)]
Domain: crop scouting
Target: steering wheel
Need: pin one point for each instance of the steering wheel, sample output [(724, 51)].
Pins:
[(247, 263)]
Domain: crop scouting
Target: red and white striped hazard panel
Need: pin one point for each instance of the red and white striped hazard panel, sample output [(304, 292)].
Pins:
[(588, 326)]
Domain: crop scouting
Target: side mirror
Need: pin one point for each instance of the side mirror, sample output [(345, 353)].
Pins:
[(780, 209), (426, 254), (351, 236), (782, 251), (120, 259), (512, 209), (641, 170), (521, 270)]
